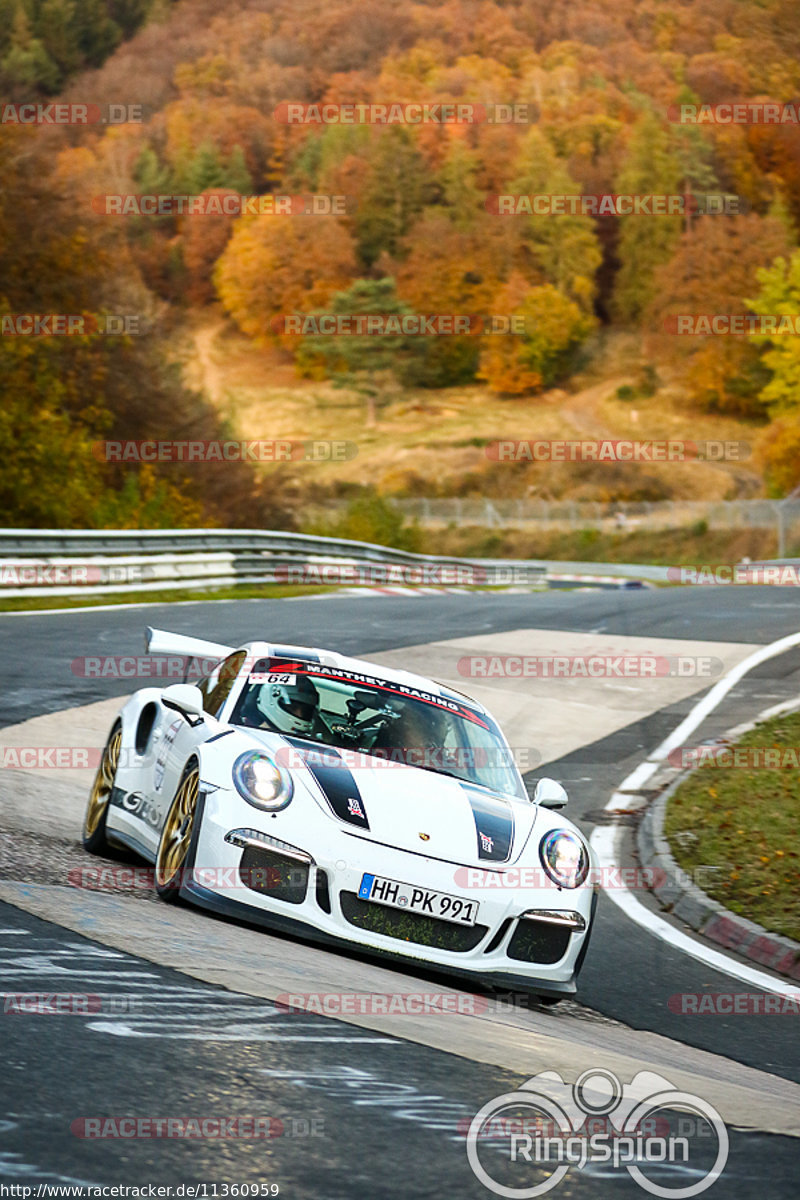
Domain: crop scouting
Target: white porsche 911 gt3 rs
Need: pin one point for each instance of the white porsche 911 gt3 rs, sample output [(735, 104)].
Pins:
[(354, 804)]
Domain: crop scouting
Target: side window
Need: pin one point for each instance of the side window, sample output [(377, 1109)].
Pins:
[(221, 681)]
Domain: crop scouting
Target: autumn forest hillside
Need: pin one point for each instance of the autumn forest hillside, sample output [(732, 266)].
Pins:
[(596, 89)]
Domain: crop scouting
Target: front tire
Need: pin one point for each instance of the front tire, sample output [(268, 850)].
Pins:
[(176, 835), (548, 1001), (94, 822)]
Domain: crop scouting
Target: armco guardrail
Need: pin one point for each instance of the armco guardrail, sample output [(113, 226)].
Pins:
[(70, 562)]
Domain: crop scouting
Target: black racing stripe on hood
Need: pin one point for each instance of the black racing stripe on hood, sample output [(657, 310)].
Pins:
[(335, 779), (494, 825)]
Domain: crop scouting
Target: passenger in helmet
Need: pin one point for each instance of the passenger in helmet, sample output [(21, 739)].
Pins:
[(292, 707)]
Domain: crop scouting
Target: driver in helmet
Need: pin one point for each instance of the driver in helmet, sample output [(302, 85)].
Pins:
[(293, 708), (420, 732)]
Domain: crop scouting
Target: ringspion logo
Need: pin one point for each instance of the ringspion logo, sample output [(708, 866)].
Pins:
[(545, 1127)]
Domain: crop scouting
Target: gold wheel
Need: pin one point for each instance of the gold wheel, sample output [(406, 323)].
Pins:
[(102, 787), (177, 832)]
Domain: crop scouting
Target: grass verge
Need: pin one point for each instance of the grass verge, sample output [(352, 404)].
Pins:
[(265, 591), (745, 822), (694, 545)]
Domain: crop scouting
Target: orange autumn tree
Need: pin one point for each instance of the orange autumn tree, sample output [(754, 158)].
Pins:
[(553, 327), (275, 265), (713, 270), (452, 270)]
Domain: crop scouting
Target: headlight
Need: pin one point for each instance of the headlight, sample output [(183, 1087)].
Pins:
[(261, 782), (564, 858)]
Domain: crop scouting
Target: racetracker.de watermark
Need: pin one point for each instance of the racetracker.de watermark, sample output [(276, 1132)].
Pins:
[(397, 112), (414, 1004), (736, 112), (770, 574), (59, 112), (399, 324), (405, 574), (734, 1004), (39, 325), (615, 450), (737, 758), (33, 574), (434, 758), (733, 324), (613, 204), (219, 203), (195, 1128), (141, 666), (589, 666), (631, 879), (68, 1004), (251, 450), (49, 758), (239, 881)]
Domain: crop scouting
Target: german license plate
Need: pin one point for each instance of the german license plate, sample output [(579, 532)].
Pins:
[(418, 900)]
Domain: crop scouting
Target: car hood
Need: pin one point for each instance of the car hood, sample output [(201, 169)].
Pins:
[(408, 808)]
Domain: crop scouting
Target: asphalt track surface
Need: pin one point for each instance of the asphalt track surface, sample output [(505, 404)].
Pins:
[(59, 1069)]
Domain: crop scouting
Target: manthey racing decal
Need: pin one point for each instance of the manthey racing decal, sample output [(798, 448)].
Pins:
[(335, 780), (343, 675)]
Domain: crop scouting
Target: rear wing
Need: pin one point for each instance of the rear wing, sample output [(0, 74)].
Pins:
[(158, 641)]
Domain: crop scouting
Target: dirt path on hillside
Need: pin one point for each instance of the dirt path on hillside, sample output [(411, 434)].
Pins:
[(581, 412), (580, 409), (211, 377)]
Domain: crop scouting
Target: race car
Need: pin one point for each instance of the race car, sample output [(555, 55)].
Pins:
[(346, 802)]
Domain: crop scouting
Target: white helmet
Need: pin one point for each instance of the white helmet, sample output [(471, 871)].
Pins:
[(291, 707)]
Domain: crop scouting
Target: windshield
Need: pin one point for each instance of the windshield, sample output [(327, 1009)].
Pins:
[(379, 719)]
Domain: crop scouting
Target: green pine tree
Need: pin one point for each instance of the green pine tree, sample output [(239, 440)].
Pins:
[(564, 248), (204, 170), (237, 175), (54, 28), (397, 189), (372, 364), (461, 195), (26, 67), (645, 242), (96, 34), (130, 15)]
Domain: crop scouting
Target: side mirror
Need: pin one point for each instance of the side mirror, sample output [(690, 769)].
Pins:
[(549, 794), (184, 698)]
